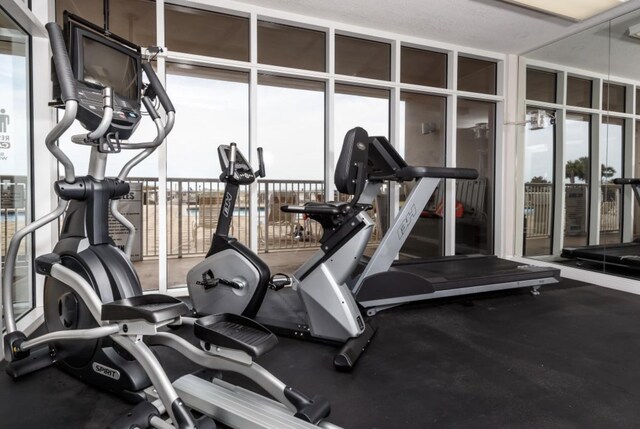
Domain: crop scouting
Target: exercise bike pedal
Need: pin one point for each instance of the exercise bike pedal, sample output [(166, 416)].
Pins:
[(235, 332), (279, 280)]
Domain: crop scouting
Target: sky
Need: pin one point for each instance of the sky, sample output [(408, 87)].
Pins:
[(539, 148), (210, 112)]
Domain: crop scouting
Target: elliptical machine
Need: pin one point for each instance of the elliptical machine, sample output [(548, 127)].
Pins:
[(99, 325)]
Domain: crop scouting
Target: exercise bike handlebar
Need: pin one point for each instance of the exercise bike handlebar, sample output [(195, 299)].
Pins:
[(261, 170), (233, 148)]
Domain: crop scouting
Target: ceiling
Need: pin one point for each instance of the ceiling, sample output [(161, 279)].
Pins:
[(491, 25), (605, 49)]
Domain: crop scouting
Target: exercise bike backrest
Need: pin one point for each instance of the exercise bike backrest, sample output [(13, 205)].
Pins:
[(351, 169)]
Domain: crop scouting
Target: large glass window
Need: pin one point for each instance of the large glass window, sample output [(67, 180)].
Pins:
[(476, 75), (613, 97), (577, 179), (475, 149), (423, 135), (367, 108), (287, 46), (134, 20), (364, 58), (15, 145), (579, 92), (541, 85), (202, 32), (219, 99), (538, 188), (291, 118), (422, 67), (636, 165), (611, 196)]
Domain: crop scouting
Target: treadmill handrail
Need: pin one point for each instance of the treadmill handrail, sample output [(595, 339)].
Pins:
[(626, 181), (417, 172)]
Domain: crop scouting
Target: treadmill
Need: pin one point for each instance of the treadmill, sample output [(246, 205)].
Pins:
[(385, 282), (625, 255)]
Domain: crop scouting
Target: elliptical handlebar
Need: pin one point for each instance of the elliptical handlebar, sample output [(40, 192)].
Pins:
[(68, 90), (158, 88)]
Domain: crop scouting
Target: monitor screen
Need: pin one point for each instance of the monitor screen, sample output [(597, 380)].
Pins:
[(105, 66)]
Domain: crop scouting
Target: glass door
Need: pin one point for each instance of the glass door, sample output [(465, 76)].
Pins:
[(15, 143)]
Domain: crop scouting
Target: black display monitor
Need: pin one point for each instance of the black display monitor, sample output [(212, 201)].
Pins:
[(99, 59)]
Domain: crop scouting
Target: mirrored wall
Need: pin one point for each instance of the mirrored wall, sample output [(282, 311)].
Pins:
[(581, 181)]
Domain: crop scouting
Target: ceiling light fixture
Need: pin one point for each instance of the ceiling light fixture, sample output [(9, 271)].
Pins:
[(634, 31), (576, 10)]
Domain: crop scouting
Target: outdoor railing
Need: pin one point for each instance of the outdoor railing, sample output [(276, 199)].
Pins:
[(539, 208), (193, 206)]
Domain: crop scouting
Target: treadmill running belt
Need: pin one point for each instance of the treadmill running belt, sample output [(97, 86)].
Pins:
[(412, 280), (624, 254), (461, 272)]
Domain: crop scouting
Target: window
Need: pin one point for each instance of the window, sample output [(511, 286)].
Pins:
[(364, 58), (613, 97), (423, 135), (291, 127), (135, 20), (219, 99), (287, 46), (15, 148), (475, 149), (611, 166), (421, 67), (367, 108), (636, 206), (579, 92), (577, 179), (541, 85), (202, 32), (538, 189), (477, 75), (638, 101)]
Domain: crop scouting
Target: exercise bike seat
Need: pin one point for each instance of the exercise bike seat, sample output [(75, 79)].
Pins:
[(154, 308), (314, 208), (235, 332)]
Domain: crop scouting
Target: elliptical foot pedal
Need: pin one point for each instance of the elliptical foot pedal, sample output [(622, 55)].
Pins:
[(349, 354), (154, 308), (235, 332)]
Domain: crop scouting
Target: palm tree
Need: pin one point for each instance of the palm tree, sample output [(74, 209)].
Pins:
[(607, 172), (577, 168)]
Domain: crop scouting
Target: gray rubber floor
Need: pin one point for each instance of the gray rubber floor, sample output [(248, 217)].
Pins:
[(569, 358)]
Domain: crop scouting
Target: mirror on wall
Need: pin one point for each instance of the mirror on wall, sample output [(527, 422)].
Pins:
[(581, 200)]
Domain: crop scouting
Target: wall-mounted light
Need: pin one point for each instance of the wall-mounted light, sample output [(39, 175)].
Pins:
[(481, 130), (428, 128), (576, 10), (634, 31), (536, 119)]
